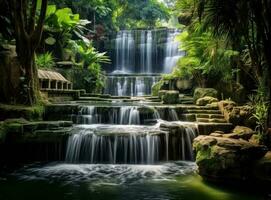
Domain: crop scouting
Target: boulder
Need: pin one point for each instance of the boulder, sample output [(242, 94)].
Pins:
[(243, 132), (171, 97), (225, 159), (203, 92), (237, 115), (206, 100), (161, 93)]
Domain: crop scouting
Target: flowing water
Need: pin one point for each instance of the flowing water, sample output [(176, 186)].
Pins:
[(119, 152), (140, 58), (163, 181)]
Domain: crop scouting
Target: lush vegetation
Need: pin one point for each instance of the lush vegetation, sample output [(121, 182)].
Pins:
[(228, 42)]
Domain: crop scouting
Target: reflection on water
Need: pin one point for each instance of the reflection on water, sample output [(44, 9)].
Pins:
[(174, 181)]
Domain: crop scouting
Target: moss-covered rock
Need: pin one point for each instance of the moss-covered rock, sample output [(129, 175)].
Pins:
[(203, 92), (206, 100), (161, 93), (20, 111), (226, 159), (171, 97)]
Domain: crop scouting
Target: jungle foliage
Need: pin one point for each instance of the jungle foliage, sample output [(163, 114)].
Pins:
[(228, 39)]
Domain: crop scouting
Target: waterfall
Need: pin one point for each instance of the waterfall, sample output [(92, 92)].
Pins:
[(108, 115), (149, 52), (87, 146), (119, 85), (125, 49), (173, 116), (128, 144), (143, 52), (129, 115), (172, 54)]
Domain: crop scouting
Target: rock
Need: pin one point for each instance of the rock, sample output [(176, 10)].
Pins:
[(243, 132), (232, 136), (208, 128), (203, 92), (161, 93), (206, 100), (183, 84), (225, 159), (171, 97), (237, 115), (216, 134)]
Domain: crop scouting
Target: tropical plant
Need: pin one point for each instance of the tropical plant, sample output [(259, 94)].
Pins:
[(61, 25), (86, 55), (45, 60), (90, 60), (207, 58)]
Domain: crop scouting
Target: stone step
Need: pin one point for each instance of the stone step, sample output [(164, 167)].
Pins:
[(92, 99), (210, 116), (208, 128), (215, 120), (195, 107), (202, 111)]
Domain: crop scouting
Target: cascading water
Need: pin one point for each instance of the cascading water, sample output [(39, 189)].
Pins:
[(139, 55), (113, 115), (128, 144), (88, 146), (173, 54), (149, 52), (130, 85), (117, 135), (125, 48)]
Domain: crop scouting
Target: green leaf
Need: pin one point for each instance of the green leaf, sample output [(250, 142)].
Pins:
[(51, 9)]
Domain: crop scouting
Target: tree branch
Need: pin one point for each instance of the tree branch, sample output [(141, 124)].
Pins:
[(32, 17), (38, 32)]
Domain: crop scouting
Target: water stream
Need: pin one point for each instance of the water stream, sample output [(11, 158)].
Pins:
[(140, 58)]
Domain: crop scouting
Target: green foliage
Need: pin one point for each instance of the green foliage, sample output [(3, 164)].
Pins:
[(260, 110), (45, 60), (207, 57), (89, 58), (114, 15), (87, 55)]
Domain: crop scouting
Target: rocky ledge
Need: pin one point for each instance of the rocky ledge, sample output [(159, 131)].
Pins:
[(230, 158)]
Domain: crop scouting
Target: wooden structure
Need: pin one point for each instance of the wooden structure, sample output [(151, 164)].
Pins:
[(51, 80)]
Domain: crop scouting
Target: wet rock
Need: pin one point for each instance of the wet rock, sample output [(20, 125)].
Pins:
[(203, 92), (171, 97), (237, 115), (206, 100), (226, 159)]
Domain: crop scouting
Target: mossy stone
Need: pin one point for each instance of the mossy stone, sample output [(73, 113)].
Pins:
[(203, 92), (171, 97)]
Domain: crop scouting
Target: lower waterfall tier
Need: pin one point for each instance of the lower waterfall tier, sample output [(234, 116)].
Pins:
[(129, 144)]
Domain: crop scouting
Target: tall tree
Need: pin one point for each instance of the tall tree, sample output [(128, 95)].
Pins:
[(28, 30)]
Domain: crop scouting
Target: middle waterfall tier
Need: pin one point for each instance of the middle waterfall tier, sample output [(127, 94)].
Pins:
[(133, 115), (124, 85)]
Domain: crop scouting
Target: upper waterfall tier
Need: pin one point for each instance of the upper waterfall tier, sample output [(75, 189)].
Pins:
[(145, 51)]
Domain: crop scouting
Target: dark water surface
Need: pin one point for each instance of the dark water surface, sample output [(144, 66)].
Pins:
[(165, 181)]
